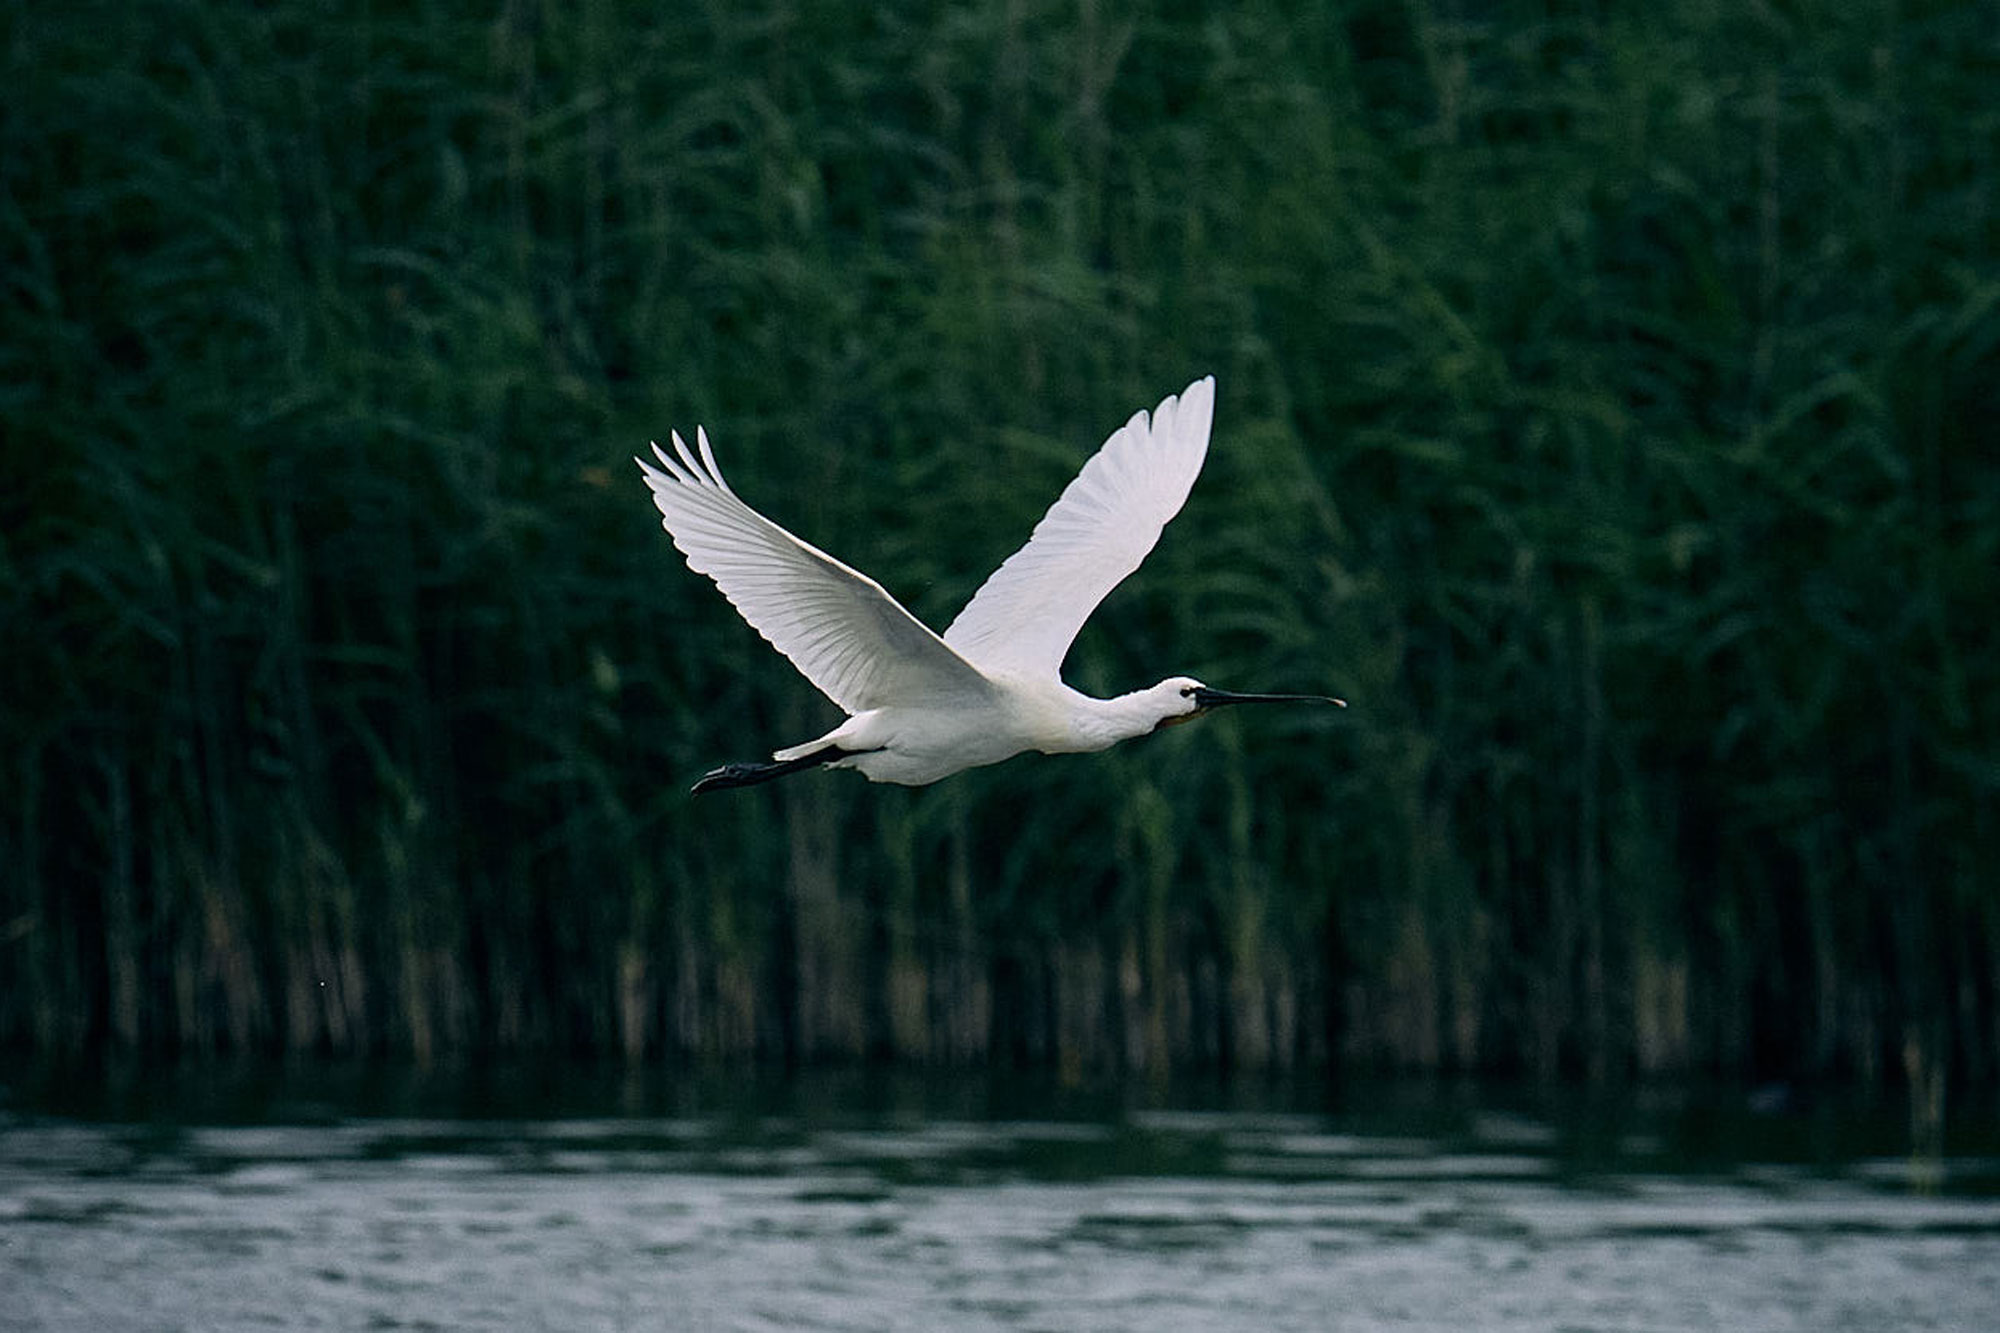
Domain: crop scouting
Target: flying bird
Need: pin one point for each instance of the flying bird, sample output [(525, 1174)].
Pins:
[(922, 707)]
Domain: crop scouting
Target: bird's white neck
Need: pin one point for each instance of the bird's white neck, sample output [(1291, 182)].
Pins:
[(1102, 723)]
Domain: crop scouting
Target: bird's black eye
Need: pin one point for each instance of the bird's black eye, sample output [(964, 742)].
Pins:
[(1187, 691)]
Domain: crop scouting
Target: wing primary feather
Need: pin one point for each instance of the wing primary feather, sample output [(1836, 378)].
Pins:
[(673, 466), (691, 469), (708, 457)]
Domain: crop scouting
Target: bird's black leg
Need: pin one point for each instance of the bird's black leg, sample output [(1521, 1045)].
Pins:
[(750, 774)]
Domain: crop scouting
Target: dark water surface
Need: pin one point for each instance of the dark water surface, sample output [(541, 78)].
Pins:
[(577, 1200)]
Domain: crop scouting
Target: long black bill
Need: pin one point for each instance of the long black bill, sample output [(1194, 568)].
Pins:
[(1205, 698)]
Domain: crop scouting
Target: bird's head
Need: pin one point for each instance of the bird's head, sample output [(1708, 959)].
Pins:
[(1183, 699)]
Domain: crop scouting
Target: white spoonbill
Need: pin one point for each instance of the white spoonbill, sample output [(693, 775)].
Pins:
[(921, 707)]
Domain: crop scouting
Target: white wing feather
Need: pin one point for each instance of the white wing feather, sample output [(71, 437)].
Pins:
[(839, 627), (1025, 616)]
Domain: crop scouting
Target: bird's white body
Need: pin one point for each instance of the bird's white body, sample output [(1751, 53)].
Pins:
[(916, 745), (922, 706)]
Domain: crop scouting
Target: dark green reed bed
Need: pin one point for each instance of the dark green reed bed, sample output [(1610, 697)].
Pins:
[(1607, 409)]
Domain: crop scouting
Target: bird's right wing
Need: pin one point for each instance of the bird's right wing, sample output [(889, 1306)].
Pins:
[(839, 627), (1025, 616)]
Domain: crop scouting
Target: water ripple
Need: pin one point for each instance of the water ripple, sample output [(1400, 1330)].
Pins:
[(1161, 1220)]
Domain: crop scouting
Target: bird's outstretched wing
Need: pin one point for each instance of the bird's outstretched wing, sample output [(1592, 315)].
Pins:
[(1025, 616), (839, 628)]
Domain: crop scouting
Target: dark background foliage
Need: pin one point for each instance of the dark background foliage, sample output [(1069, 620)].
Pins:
[(1607, 408)]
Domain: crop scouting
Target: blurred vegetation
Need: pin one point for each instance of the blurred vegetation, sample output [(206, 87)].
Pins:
[(1608, 408)]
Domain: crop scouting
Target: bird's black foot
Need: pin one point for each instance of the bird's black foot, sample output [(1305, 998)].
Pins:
[(750, 774), (740, 775)]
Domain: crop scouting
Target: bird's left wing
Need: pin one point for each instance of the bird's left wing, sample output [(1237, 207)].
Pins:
[(839, 627), (1025, 616)]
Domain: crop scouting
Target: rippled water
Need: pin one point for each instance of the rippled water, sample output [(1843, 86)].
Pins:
[(837, 1207)]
